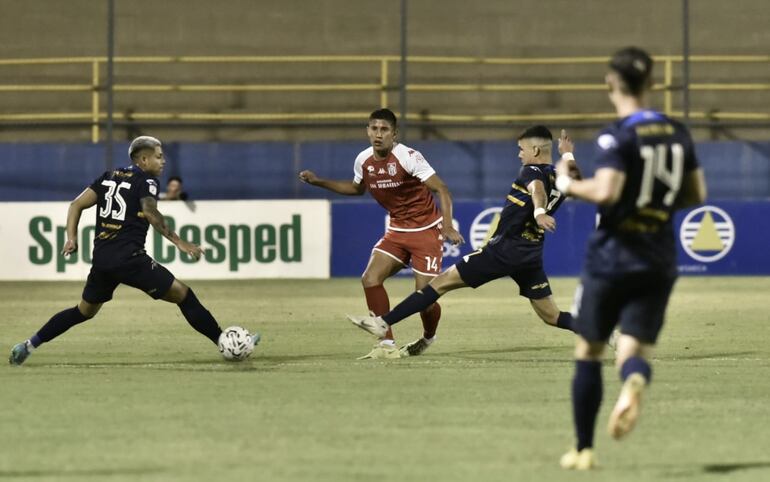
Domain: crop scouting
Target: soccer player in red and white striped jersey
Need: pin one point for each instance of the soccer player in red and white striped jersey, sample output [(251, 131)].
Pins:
[(402, 181)]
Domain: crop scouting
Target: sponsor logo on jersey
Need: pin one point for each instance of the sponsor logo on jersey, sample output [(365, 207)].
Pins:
[(370, 170), (707, 234), (483, 226), (381, 171), (392, 168), (385, 184)]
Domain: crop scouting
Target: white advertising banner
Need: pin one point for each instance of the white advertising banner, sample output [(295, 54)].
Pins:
[(242, 239)]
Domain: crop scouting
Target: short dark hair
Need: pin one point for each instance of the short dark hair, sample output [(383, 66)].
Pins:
[(539, 131), (386, 115), (174, 178), (634, 66)]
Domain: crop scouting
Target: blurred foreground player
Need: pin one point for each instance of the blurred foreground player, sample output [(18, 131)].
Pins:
[(514, 250), (400, 180), (126, 200), (646, 170)]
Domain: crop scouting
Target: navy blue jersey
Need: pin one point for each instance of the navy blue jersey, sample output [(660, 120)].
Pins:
[(121, 228), (636, 233), (518, 239)]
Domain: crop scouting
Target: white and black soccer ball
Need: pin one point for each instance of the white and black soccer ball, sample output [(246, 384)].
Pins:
[(235, 343)]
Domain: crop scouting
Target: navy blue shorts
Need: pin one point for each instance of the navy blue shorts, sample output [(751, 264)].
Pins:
[(481, 267), (636, 302), (140, 272)]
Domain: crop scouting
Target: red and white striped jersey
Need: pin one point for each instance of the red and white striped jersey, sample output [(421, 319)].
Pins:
[(397, 184)]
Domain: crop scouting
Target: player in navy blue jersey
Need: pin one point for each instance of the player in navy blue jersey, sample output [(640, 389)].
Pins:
[(126, 200), (646, 170), (515, 248)]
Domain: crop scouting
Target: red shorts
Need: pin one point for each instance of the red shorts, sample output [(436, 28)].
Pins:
[(423, 248)]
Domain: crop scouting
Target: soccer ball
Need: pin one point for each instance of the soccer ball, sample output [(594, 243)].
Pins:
[(235, 343)]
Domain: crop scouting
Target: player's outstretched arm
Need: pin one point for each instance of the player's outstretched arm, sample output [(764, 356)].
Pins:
[(693, 190), (85, 200), (348, 188), (540, 202), (604, 188), (435, 184), (154, 217)]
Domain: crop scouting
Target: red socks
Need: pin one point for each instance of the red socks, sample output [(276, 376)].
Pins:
[(430, 319), (378, 303)]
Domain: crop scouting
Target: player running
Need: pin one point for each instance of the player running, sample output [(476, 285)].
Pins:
[(126, 200), (646, 170), (401, 181), (515, 249)]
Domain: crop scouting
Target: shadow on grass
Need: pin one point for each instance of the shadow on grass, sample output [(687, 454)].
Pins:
[(489, 355), (682, 355), (276, 362), (497, 351), (728, 468), (725, 468), (79, 473), (259, 363)]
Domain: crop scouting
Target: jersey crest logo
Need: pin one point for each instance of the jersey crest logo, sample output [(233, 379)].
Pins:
[(607, 141), (153, 187), (707, 234), (392, 168)]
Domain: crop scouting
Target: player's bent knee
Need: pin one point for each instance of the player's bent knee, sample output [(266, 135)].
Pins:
[(372, 278), (369, 281), (89, 310), (628, 347), (176, 293), (447, 281), (588, 350)]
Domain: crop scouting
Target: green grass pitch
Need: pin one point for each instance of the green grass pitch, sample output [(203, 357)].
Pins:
[(135, 394)]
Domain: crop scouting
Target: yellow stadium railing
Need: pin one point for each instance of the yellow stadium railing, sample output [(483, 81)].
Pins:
[(95, 116)]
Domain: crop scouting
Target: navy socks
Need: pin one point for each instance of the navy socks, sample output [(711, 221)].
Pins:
[(636, 364), (586, 399), (58, 324), (417, 301), (199, 317), (565, 321)]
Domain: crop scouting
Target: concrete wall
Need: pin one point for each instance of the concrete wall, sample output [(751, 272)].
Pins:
[(487, 28)]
